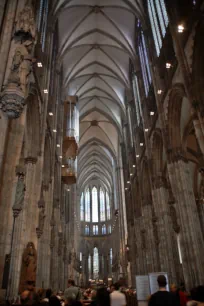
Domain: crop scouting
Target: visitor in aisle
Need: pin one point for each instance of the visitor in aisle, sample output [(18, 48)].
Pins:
[(162, 297), (180, 296), (72, 291), (116, 297)]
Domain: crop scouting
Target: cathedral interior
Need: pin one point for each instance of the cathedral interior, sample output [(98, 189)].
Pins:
[(101, 142)]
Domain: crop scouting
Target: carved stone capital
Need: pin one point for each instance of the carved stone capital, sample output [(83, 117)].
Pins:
[(20, 170), (16, 212), (31, 160), (41, 203), (39, 232)]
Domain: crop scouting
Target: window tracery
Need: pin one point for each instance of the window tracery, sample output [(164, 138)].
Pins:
[(94, 204), (159, 21), (95, 207), (87, 206), (95, 263), (82, 206), (102, 206), (104, 229)]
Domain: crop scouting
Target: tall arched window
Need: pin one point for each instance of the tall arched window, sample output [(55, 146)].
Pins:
[(94, 205), (159, 21), (87, 206), (89, 266), (95, 264), (137, 98), (42, 20), (87, 230), (109, 229), (95, 229), (82, 207), (104, 229), (147, 79), (102, 206), (111, 257), (108, 206)]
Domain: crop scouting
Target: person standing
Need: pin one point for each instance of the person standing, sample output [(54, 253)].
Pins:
[(116, 297), (72, 292), (162, 297)]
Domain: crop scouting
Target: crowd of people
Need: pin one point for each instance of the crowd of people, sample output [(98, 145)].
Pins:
[(114, 295), (176, 296)]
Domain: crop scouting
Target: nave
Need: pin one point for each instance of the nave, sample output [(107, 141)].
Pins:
[(101, 143)]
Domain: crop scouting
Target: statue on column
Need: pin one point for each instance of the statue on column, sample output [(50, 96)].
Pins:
[(20, 193), (28, 268), (25, 24), (13, 98)]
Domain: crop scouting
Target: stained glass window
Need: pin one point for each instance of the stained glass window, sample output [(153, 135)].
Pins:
[(102, 205), (94, 205), (108, 206), (95, 264), (137, 98), (44, 25), (130, 124), (89, 266), (104, 229), (87, 206), (82, 206), (87, 230), (159, 21), (147, 79), (109, 229), (95, 229), (40, 14), (111, 256)]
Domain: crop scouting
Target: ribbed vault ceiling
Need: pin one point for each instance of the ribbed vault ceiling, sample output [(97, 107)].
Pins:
[(96, 43)]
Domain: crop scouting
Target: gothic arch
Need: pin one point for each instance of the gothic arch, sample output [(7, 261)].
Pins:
[(176, 96)]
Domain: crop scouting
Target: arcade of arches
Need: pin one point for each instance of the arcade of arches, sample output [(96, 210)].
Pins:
[(101, 141)]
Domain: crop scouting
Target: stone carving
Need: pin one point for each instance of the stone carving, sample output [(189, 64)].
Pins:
[(25, 25), (28, 269), (13, 98), (19, 197)]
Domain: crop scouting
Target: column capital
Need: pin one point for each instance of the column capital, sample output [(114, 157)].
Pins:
[(31, 160), (16, 212)]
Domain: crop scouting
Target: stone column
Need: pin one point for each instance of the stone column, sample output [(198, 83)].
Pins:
[(45, 243), (162, 224), (30, 209), (16, 243), (5, 42), (140, 247), (8, 186), (191, 239), (92, 266), (148, 238)]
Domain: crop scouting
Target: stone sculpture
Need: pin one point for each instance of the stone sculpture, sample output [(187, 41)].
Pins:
[(25, 25), (28, 268), (19, 197), (13, 98)]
